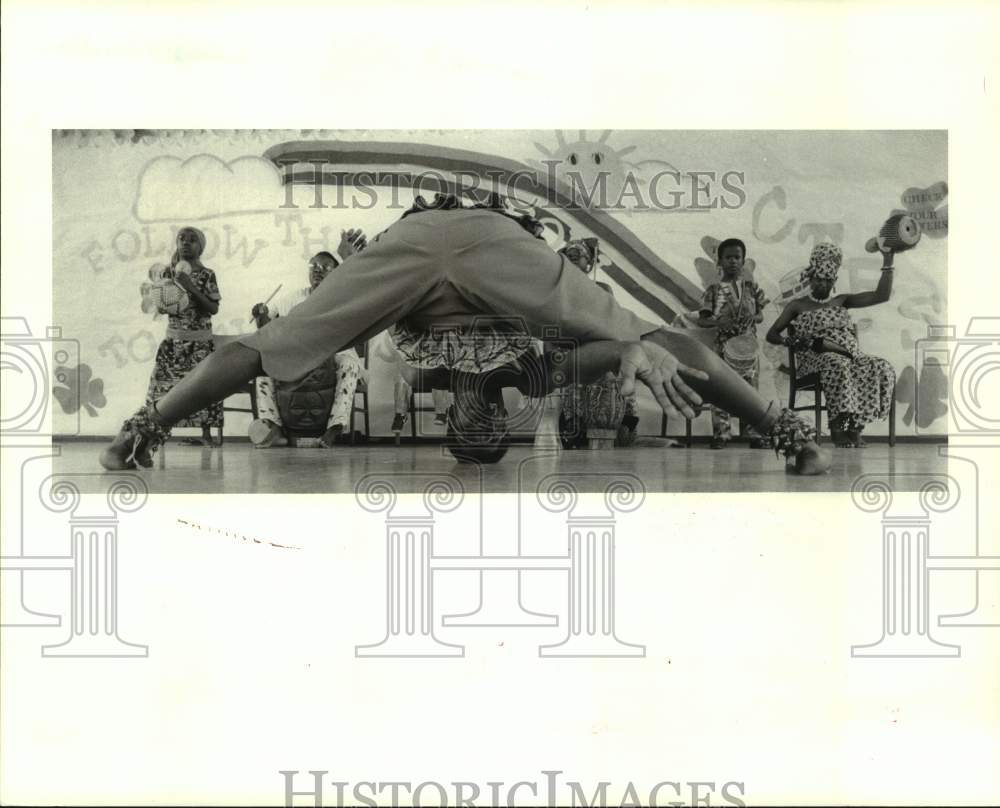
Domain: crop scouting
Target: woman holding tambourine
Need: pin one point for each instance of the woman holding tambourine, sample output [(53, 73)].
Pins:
[(188, 338), (858, 387)]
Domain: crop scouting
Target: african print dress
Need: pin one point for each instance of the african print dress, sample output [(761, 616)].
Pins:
[(860, 388), (740, 301), (487, 346), (188, 340)]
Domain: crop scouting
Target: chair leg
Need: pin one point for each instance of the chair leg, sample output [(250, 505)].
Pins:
[(663, 425), (220, 435), (818, 407), (413, 417), (687, 432), (892, 420)]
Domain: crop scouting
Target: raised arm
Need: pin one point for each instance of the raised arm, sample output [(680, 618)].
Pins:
[(882, 292)]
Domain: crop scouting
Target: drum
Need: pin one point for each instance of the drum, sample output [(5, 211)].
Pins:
[(169, 299), (163, 294), (899, 234), (740, 353), (591, 414), (604, 409), (305, 404)]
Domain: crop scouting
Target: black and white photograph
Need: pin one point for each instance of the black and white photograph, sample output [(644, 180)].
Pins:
[(499, 404), (703, 308)]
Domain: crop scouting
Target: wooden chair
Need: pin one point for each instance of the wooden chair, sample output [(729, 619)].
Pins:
[(811, 383), (249, 389), (687, 421), (425, 383), (361, 390)]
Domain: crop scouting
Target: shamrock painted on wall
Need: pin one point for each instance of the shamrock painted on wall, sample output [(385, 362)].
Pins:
[(926, 396), (75, 388)]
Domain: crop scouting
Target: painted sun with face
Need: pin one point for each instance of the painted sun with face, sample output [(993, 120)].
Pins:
[(583, 162)]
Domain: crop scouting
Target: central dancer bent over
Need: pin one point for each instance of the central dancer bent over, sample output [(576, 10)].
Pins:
[(445, 263)]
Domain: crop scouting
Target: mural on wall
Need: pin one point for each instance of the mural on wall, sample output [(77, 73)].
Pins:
[(267, 201), (74, 388), (204, 187)]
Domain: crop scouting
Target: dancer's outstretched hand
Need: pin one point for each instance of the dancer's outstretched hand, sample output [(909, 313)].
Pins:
[(660, 371)]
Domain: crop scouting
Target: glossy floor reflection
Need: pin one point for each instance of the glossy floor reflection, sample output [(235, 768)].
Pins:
[(237, 468)]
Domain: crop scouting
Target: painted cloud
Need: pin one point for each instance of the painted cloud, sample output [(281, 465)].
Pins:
[(205, 187)]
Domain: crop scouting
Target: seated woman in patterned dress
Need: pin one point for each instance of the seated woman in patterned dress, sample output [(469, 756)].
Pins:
[(858, 387)]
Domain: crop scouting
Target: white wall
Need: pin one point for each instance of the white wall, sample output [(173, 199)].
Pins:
[(119, 200)]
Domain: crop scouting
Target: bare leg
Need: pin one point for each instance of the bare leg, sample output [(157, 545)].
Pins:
[(724, 387), (727, 389), (221, 374), (401, 395), (440, 398)]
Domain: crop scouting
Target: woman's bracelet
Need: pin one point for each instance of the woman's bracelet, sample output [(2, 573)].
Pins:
[(888, 268)]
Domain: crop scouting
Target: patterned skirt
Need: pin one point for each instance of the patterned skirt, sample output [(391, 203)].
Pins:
[(468, 350), (861, 387), (175, 358)]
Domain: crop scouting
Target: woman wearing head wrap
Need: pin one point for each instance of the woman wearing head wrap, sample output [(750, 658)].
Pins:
[(858, 387), (188, 339)]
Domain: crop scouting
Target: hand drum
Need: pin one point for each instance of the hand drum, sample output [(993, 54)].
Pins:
[(899, 234)]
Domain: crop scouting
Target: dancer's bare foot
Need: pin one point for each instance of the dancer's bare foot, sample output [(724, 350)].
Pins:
[(116, 457), (793, 437), (133, 446), (812, 459), (331, 435)]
